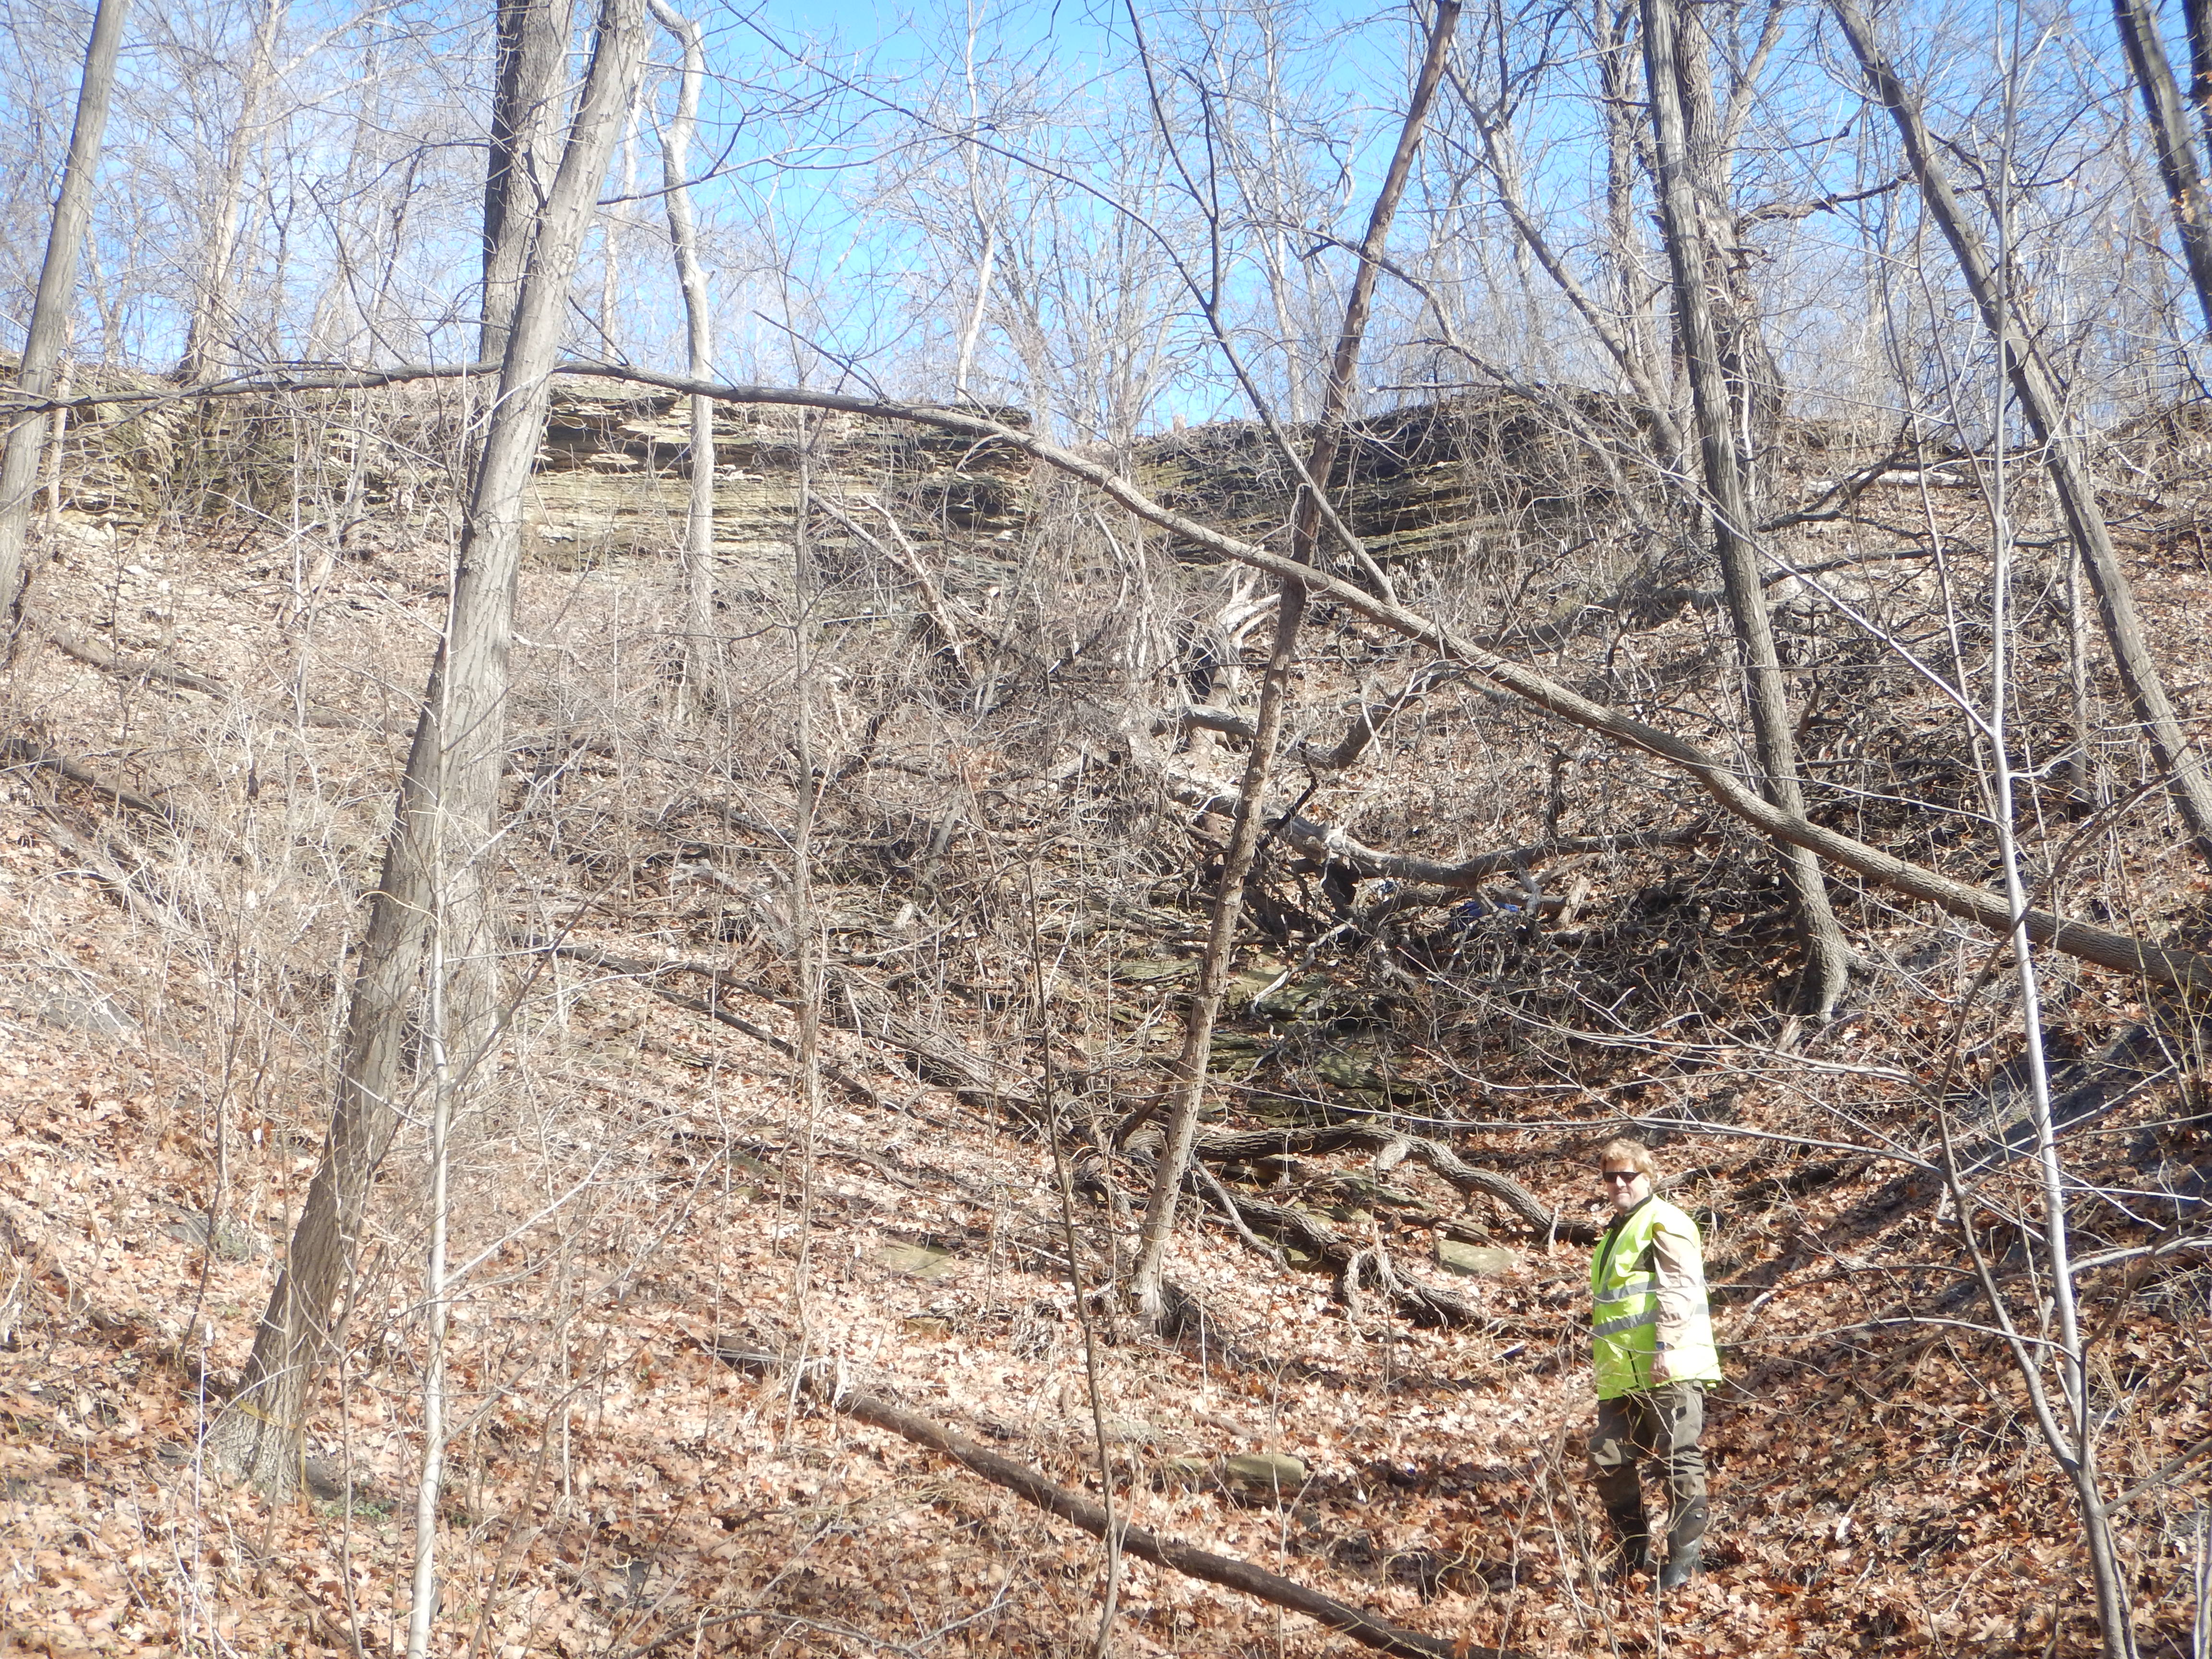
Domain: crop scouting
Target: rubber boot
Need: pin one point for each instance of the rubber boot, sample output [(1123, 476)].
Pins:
[(1632, 1532), (1683, 1546), (1681, 1567)]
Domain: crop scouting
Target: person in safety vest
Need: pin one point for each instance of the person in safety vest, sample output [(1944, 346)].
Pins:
[(1651, 1347)]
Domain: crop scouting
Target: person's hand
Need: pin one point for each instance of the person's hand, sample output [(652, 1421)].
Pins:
[(1659, 1372)]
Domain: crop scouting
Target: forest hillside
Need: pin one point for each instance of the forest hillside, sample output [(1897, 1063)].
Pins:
[(836, 999)]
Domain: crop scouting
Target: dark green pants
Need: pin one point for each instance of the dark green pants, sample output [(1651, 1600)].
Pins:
[(1662, 1424)]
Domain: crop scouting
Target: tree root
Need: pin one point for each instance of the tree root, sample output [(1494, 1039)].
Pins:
[(1221, 1147), (1356, 1265)]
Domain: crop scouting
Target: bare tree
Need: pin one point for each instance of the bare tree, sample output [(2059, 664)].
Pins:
[(2066, 1425), (443, 821), (2178, 165), (1187, 1084), (212, 309), (676, 134), (2065, 458), (1827, 957), (50, 313), (530, 60)]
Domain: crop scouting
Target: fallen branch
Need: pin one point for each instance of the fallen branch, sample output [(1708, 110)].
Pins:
[(99, 656), (1221, 1147), (95, 655), (647, 974), (22, 752), (1331, 844), (935, 1057), (1026, 1483), (1425, 1304)]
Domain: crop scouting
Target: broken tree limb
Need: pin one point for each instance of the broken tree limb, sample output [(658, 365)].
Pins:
[(1209, 1184), (935, 1057), (21, 752), (1422, 1305), (1231, 1573), (92, 654), (1332, 844)]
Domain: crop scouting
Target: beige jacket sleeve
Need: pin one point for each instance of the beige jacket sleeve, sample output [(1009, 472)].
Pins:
[(1680, 1269)]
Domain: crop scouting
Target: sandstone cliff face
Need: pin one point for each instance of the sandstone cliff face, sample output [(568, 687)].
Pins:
[(613, 473), (1457, 482), (1444, 482)]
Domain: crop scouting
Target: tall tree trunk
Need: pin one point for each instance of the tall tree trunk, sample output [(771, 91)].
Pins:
[(530, 58), (50, 311), (1188, 1087), (445, 815), (2064, 458), (1826, 969), (1751, 378), (2170, 135), (2072, 1442), (211, 302), (1631, 299), (697, 687), (2197, 15)]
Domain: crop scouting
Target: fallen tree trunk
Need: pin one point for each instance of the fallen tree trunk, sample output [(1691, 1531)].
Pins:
[(1032, 1487)]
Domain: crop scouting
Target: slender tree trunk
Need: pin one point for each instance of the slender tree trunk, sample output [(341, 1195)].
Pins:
[(1631, 299), (2197, 15), (447, 801), (1827, 958), (211, 302), (985, 266), (2083, 768), (1188, 1088), (2170, 135), (57, 449), (986, 262), (699, 656), (423, 1605), (50, 311), (2064, 458), (2072, 1441), (531, 56), (1751, 377)]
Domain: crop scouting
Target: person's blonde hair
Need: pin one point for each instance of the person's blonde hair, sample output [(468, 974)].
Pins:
[(1633, 1153)]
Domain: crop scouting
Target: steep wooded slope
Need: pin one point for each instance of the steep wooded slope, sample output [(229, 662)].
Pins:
[(203, 742)]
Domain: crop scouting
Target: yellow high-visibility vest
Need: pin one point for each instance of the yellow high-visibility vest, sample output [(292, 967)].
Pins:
[(1625, 1307)]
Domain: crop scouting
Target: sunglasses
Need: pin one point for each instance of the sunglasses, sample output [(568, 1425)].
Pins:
[(1618, 1175)]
